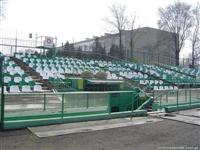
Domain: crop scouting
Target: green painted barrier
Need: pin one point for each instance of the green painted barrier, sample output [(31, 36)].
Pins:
[(31, 109), (175, 100), (169, 109), (39, 122)]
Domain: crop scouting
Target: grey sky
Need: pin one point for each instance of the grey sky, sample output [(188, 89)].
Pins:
[(75, 19)]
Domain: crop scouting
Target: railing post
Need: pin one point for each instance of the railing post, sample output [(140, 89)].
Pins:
[(109, 103), (2, 108), (190, 97), (185, 95), (177, 103), (2, 102), (87, 103), (132, 103), (160, 101), (167, 96), (62, 111), (44, 102)]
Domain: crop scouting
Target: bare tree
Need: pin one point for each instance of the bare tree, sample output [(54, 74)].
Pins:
[(195, 38), (131, 25), (118, 21), (176, 18)]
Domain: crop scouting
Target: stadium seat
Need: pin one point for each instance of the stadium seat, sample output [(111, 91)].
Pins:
[(26, 88), (14, 89), (7, 79), (17, 79), (37, 88)]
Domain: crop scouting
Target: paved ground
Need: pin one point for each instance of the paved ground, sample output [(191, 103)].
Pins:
[(89, 126), (165, 134), (188, 116)]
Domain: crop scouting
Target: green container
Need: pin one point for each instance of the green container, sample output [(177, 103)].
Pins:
[(77, 83), (121, 101)]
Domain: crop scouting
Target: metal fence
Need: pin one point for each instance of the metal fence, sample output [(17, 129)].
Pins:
[(31, 109), (176, 97), (28, 104)]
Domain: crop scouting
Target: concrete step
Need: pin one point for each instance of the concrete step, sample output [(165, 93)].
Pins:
[(30, 72)]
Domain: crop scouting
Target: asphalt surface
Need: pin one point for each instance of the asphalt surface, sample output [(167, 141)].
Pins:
[(159, 135)]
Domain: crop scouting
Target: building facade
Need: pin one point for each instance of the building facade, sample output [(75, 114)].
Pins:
[(146, 45)]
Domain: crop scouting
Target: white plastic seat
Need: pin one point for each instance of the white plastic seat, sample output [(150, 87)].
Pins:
[(37, 88), (175, 88), (61, 70), (151, 82), (17, 69), (166, 87), (142, 82), (14, 89), (45, 77), (26, 88), (54, 70), (146, 82), (17, 79), (28, 79), (9, 68), (7, 79), (12, 72), (21, 72), (155, 88), (42, 73), (39, 69), (31, 65), (156, 82), (161, 88), (50, 74), (145, 76), (46, 69)]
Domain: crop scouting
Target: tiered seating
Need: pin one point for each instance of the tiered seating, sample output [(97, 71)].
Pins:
[(167, 75), (135, 72), (59, 66), (187, 70), (156, 77), (16, 80)]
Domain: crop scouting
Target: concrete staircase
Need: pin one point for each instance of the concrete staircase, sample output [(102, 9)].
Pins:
[(46, 86)]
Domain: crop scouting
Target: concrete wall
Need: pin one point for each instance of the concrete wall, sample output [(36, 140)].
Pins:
[(149, 45)]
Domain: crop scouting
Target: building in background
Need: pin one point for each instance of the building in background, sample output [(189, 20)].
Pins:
[(146, 45)]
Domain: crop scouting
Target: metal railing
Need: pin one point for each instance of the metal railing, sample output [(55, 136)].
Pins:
[(29, 104), (176, 97)]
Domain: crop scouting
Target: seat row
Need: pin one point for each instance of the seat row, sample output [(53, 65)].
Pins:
[(24, 88)]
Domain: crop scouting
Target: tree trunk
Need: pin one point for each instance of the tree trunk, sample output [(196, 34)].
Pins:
[(177, 49), (131, 44), (193, 59), (120, 44), (177, 58)]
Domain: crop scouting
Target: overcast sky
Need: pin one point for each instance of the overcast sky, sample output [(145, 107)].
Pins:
[(74, 19)]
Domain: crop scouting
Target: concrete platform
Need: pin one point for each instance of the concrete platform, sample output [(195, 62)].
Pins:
[(192, 112), (188, 116), (63, 129)]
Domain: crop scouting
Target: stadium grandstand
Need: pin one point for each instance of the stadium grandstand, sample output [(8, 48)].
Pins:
[(38, 89)]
